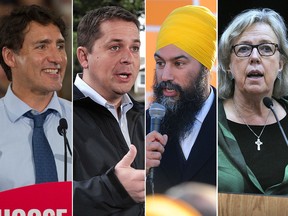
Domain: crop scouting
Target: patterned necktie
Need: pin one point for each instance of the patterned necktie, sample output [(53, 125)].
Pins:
[(44, 162)]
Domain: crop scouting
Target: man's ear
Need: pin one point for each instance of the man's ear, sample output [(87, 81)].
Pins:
[(205, 70), (9, 57), (82, 53)]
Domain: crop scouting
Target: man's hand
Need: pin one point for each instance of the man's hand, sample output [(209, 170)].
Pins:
[(155, 143), (133, 180)]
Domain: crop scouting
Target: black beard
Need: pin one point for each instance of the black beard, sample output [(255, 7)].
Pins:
[(181, 112)]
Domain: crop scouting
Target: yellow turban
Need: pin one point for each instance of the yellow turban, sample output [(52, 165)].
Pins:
[(192, 29)]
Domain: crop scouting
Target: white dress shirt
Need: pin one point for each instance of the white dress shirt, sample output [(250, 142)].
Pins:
[(126, 105)]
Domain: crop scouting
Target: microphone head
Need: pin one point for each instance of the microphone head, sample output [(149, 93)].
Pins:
[(268, 102), (59, 129), (62, 126), (157, 110), (63, 123)]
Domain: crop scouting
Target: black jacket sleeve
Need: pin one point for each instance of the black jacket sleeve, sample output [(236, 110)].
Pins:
[(102, 195)]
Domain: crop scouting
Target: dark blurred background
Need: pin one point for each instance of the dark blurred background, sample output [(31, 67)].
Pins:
[(227, 9)]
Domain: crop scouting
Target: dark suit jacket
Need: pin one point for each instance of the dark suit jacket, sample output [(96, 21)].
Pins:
[(201, 163)]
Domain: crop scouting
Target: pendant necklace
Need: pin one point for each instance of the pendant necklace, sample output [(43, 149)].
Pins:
[(258, 141)]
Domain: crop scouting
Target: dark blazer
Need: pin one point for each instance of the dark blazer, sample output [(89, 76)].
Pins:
[(201, 163), (98, 146)]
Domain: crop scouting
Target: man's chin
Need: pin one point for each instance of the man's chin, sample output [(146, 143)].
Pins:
[(170, 103)]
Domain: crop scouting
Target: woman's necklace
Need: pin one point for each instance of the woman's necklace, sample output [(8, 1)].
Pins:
[(258, 141)]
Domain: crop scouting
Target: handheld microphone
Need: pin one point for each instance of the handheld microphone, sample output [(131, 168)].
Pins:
[(269, 104), (156, 112), (63, 126)]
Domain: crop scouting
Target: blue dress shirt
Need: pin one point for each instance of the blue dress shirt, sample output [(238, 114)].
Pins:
[(16, 159)]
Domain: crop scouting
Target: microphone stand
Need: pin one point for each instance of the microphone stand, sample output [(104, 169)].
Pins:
[(269, 104), (65, 155), (62, 131), (281, 129)]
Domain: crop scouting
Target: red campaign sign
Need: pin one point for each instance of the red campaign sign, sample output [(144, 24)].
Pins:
[(49, 199)]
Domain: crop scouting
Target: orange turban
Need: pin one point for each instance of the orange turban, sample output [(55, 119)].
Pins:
[(192, 29)]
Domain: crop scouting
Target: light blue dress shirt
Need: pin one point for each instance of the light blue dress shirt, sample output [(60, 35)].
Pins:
[(16, 159)]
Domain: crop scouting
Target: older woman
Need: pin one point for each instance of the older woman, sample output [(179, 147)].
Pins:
[(253, 154)]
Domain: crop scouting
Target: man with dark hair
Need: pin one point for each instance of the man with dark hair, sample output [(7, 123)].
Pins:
[(32, 43), (109, 176), (185, 54)]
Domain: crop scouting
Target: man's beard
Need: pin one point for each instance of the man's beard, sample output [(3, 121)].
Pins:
[(181, 111)]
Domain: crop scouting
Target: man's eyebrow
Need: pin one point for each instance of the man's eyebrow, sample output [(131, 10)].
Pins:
[(173, 58), (60, 41), (156, 55), (180, 56), (120, 40), (137, 41), (48, 41)]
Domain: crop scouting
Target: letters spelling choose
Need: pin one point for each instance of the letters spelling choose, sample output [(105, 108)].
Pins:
[(33, 212)]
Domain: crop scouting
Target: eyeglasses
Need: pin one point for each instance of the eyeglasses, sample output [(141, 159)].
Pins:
[(264, 49)]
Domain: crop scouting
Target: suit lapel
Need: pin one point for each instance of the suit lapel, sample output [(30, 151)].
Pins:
[(205, 145)]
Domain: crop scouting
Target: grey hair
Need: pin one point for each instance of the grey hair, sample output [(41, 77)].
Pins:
[(238, 25)]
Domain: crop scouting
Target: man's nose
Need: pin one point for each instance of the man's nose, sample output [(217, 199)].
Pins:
[(126, 57), (167, 73)]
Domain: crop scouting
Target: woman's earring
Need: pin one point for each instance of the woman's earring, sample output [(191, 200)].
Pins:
[(279, 74), (230, 75)]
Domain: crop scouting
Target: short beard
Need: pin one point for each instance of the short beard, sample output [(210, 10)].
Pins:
[(181, 112)]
